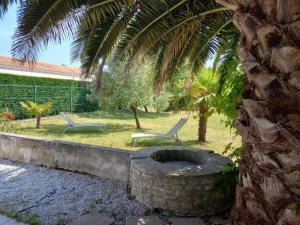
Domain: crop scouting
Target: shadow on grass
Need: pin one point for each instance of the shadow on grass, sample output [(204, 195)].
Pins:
[(57, 130), (124, 115), (152, 142)]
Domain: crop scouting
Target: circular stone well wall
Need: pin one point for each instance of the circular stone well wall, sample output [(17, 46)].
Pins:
[(178, 179)]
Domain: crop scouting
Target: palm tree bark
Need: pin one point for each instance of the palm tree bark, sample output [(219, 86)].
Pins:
[(134, 111), (99, 77), (269, 116), (202, 122), (38, 122)]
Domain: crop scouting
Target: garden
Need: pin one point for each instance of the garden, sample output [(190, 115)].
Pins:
[(132, 110), (191, 117), (121, 125)]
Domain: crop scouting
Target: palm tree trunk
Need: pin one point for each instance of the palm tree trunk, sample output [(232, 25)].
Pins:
[(38, 122), (269, 116), (99, 76), (202, 123), (134, 111)]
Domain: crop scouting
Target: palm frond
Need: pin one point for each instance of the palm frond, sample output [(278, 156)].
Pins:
[(91, 54), (53, 20), (146, 18), (227, 59), (4, 5), (173, 49), (157, 19), (208, 40), (35, 109)]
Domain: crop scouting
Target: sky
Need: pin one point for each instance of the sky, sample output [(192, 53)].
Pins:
[(54, 54)]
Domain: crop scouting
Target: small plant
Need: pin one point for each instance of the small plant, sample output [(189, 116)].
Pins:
[(33, 219), (37, 110), (234, 153), (5, 119), (98, 200), (30, 219), (92, 205), (225, 188), (62, 221), (129, 192)]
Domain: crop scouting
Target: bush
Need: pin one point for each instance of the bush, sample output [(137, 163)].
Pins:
[(5, 117)]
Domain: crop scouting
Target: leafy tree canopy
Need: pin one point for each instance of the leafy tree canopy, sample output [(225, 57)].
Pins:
[(122, 88)]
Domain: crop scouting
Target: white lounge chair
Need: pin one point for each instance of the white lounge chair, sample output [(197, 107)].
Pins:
[(73, 125), (172, 134)]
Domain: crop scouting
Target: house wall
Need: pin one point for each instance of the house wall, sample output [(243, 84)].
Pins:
[(32, 73)]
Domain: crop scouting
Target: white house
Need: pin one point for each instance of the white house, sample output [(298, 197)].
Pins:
[(40, 69)]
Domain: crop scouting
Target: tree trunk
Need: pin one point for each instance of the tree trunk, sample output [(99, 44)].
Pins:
[(269, 116), (202, 123), (99, 77), (146, 109), (134, 111), (38, 122)]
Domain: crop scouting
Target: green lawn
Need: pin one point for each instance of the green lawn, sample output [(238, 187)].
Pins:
[(122, 125)]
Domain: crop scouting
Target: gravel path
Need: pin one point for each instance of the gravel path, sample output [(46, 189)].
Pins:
[(58, 195), (8, 221)]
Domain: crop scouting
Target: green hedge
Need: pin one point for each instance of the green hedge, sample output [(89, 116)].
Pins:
[(25, 80), (67, 95)]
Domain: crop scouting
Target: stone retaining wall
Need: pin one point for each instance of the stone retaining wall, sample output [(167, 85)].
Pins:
[(95, 160)]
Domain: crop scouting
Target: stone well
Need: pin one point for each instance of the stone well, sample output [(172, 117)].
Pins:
[(178, 179)]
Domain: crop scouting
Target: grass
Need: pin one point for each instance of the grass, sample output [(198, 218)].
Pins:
[(30, 219), (121, 125)]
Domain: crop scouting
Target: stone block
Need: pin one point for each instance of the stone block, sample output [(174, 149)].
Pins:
[(93, 219), (219, 221), (146, 220), (186, 221)]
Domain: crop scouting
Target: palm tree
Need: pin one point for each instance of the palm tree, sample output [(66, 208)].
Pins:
[(173, 31), (268, 121), (37, 110), (195, 96)]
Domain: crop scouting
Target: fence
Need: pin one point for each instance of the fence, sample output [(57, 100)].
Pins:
[(64, 98)]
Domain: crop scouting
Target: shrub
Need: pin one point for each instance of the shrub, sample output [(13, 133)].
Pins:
[(37, 110), (5, 117)]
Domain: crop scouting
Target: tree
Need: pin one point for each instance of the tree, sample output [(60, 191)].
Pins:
[(268, 121), (195, 96), (37, 110), (126, 90), (161, 100)]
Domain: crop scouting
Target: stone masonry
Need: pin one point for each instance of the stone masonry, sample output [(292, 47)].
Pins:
[(183, 189)]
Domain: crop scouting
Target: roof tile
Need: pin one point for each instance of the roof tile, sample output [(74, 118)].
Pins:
[(39, 66)]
